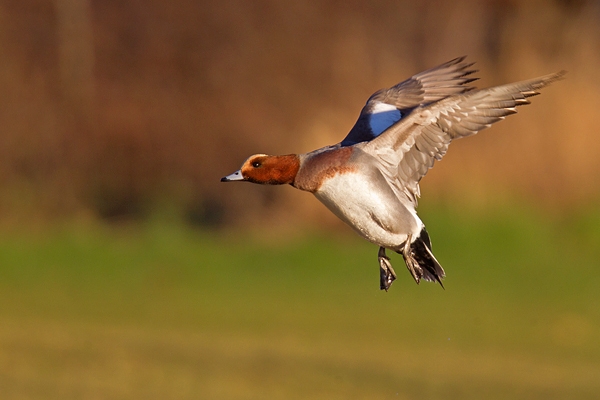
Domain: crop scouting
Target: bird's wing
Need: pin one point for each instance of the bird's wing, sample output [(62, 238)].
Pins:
[(387, 106), (409, 148)]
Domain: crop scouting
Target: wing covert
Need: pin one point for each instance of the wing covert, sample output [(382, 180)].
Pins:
[(409, 148), (387, 106)]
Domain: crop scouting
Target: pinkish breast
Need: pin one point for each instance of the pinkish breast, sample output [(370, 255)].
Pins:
[(318, 167)]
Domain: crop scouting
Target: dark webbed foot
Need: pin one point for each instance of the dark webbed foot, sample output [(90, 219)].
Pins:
[(386, 272)]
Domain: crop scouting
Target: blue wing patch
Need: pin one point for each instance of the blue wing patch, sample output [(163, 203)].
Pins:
[(382, 117)]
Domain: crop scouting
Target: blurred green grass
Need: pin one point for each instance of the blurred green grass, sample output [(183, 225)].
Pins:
[(163, 311)]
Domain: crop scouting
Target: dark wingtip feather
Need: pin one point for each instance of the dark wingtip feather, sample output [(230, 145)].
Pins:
[(456, 60)]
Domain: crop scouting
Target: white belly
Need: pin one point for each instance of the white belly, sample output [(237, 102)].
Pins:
[(374, 212)]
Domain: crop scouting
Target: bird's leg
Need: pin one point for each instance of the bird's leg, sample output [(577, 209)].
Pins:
[(411, 263), (386, 272)]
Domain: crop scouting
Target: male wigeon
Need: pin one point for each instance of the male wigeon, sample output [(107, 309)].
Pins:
[(370, 180)]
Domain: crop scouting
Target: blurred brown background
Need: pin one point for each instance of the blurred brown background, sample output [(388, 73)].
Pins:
[(131, 111), (116, 109)]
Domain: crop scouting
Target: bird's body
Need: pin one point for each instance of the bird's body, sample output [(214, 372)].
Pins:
[(358, 193), (370, 180)]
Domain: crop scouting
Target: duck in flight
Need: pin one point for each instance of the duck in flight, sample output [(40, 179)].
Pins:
[(370, 180)]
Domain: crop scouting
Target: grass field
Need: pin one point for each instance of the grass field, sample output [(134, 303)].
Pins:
[(164, 312)]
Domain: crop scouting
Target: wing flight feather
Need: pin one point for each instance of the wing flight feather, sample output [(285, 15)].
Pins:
[(409, 148)]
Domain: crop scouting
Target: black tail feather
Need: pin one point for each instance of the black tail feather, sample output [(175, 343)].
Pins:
[(428, 268)]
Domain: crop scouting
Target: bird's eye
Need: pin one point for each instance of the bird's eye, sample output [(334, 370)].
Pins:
[(256, 164)]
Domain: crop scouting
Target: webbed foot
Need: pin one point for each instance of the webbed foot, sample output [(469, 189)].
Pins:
[(386, 272)]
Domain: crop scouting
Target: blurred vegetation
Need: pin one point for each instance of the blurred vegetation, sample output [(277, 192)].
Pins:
[(164, 312), (119, 118), (114, 109)]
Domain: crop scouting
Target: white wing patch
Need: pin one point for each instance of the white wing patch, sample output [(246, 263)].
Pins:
[(382, 117)]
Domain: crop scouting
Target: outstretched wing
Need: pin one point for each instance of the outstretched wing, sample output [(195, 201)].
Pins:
[(387, 106), (409, 148)]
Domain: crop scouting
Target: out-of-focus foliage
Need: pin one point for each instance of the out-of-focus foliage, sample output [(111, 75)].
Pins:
[(135, 109), (161, 312), (114, 109)]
